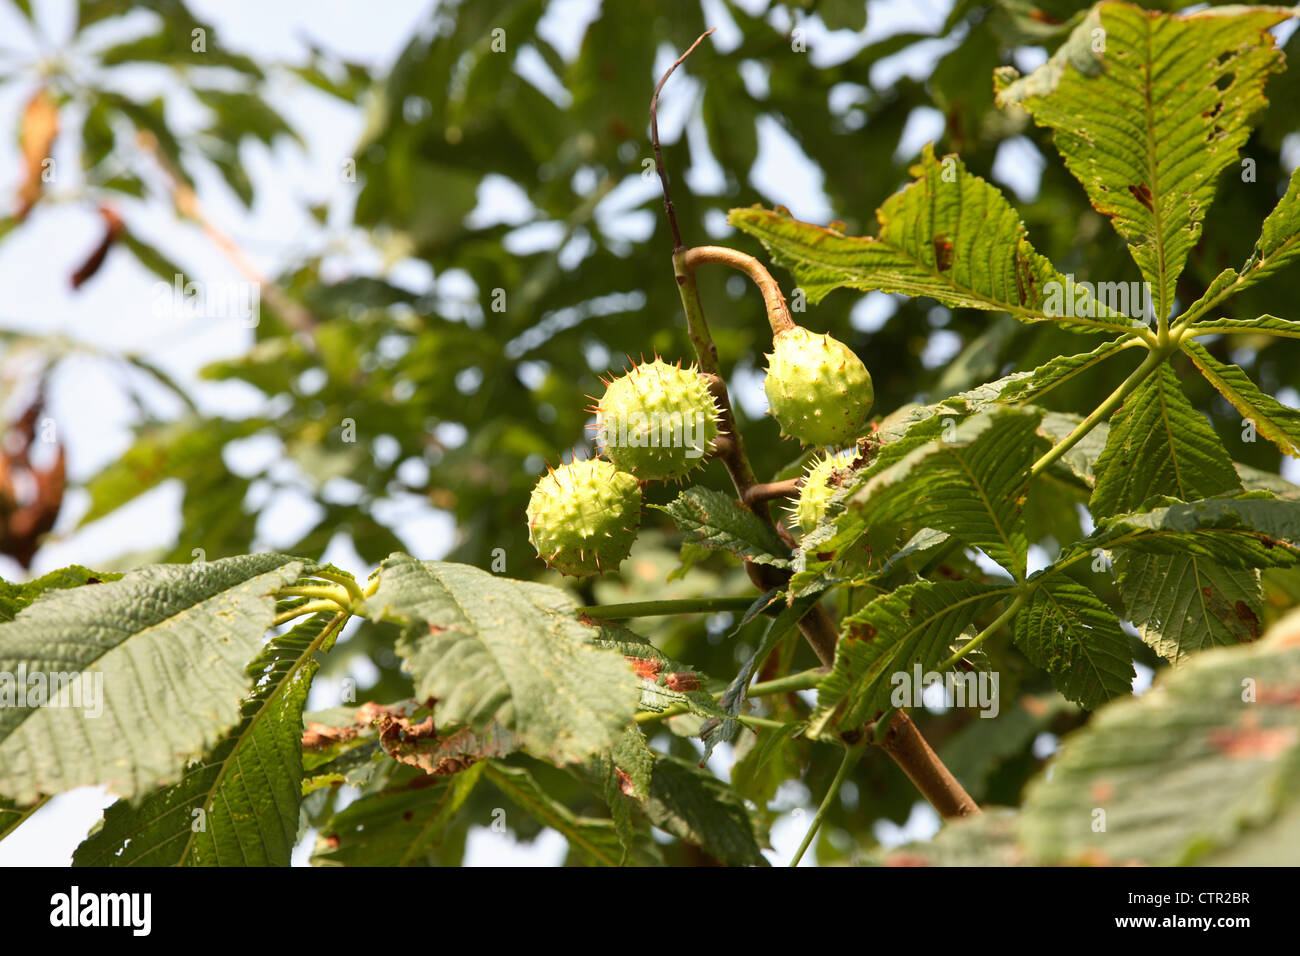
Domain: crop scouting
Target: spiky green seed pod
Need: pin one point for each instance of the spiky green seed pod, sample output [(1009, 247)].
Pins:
[(820, 482), (583, 516), (658, 421), (818, 389)]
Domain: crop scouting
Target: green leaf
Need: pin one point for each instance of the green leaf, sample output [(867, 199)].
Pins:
[(1263, 325), (1068, 632), (1277, 246), (595, 840), (624, 774), (695, 806), (968, 482), (733, 696), (1185, 603), (185, 450), (1187, 571), (15, 597), (1251, 530), (170, 644), (772, 759), (949, 235), (1147, 110), (663, 679), (152, 258), (713, 519), (1279, 239), (239, 805), (1208, 755), (915, 624), (12, 815), (1024, 388), (1159, 444), (1278, 423), (402, 825), (490, 648)]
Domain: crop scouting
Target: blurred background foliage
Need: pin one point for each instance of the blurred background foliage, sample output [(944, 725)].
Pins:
[(457, 394)]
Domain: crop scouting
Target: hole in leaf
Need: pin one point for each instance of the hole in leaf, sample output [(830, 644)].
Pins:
[(1225, 81)]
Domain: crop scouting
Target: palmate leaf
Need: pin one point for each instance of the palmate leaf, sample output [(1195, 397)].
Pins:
[(1068, 632), (490, 648), (1210, 753), (1147, 110), (1278, 423), (915, 624), (949, 235), (712, 519), (248, 787), (171, 642)]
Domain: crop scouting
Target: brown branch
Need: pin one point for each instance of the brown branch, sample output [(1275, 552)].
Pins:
[(910, 750), (903, 742), (654, 140)]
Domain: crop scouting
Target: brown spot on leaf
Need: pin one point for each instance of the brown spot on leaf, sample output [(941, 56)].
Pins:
[(1102, 791), (1248, 617), (1142, 194), (942, 252), (1253, 743)]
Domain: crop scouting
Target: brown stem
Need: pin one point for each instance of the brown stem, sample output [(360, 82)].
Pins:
[(773, 489), (910, 750), (778, 315), (654, 140)]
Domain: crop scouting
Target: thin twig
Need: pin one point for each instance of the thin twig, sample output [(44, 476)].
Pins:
[(654, 140)]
